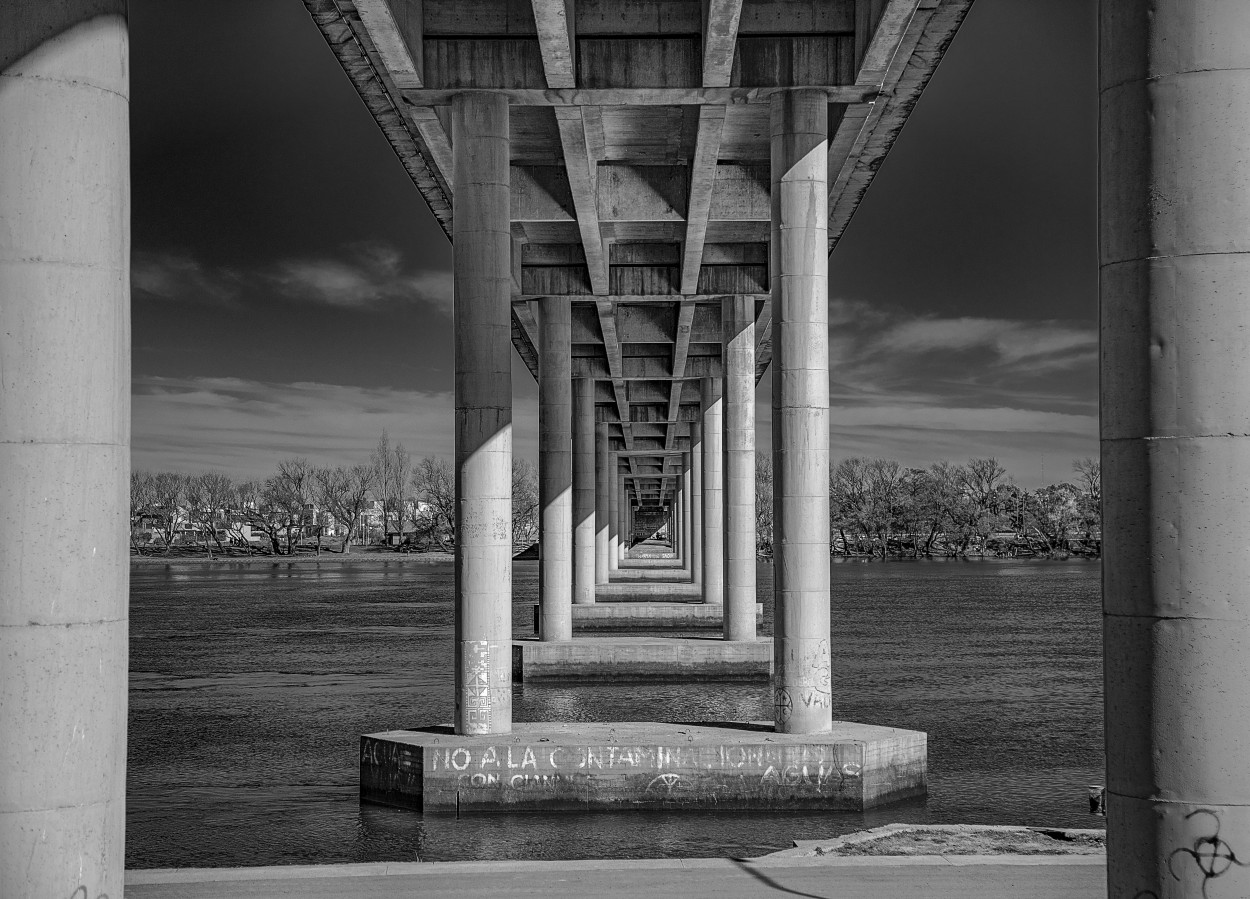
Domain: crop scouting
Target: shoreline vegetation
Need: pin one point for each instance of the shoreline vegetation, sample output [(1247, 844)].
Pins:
[(878, 508)]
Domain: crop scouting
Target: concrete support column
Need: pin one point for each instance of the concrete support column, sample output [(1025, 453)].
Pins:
[(713, 498), (1175, 318), (687, 531), (583, 491), (64, 445), (614, 515), (799, 272), (696, 502), (482, 243), (603, 487), (555, 470), (738, 355)]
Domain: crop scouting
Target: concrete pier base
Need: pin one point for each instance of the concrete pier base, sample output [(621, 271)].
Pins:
[(621, 766), (639, 659), (625, 616)]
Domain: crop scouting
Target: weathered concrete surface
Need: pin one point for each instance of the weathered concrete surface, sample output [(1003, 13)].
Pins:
[(64, 445), (738, 351), (799, 270), (555, 469), (483, 278), (603, 515), (696, 502), (649, 615), (621, 766), (712, 523), (932, 877), (1175, 400), (680, 659)]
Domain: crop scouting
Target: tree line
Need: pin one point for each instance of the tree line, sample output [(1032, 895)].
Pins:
[(412, 501), (878, 507)]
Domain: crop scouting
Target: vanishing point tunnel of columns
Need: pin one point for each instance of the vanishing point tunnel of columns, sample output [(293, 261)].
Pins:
[(649, 169)]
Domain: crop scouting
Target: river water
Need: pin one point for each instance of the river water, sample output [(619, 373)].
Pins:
[(250, 685)]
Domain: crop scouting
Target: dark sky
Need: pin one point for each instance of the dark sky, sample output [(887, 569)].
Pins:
[(292, 291)]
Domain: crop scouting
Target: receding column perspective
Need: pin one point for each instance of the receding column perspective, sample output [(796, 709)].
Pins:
[(64, 445), (696, 502), (583, 491), (603, 487), (1175, 427), (555, 470), (738, 358), (799, 275), (482, 244), (713, 499)]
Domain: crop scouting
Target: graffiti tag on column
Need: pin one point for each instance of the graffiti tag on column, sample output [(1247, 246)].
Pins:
[(1213, 856), (476, 697)]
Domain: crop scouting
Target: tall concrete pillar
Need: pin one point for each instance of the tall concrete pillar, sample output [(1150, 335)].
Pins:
[(602, 515), (583, 491), (687, 531), (696, 502), (713, 499), (555, 470), (738, 356), (64, 445), (1175, 315), (614, 514), (799, 272), (483, 291)]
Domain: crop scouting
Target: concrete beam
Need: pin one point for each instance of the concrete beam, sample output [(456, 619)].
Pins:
[(554, 20), (581, 162), (645, 96)]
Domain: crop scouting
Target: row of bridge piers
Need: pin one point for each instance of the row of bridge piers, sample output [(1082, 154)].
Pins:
[(589, 505)]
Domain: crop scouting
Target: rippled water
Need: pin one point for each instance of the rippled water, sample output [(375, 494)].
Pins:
[(250, 686)]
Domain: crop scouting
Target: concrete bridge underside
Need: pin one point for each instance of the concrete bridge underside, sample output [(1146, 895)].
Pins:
[(645, 194)]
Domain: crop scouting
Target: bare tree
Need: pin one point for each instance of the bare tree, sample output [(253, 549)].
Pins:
[(344, 492), (434, 485), (142, 503), (209, 497), (169, 503), (261, 514), (290, 492), (763, 503), (393, 467), (524, 502)]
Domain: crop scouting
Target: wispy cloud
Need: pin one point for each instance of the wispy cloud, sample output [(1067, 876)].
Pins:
[(243, 427), (1048, 343), (359, 276)]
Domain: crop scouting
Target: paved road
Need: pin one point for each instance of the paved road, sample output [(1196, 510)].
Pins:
[(953, 878)]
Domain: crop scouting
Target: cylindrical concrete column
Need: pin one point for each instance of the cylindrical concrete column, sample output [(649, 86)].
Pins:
[(64, 445), (583, 491), (483, 292), (687, 508), (696, 502), (738, 358), (602, 515), (800, 295), (622, 519), (555, 470), (1175, 319), (614, 514), (679, 525), (713, 498)]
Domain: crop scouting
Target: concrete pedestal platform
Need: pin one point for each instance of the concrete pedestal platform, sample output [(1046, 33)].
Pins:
[(666, 574), (638, 765), (616, 616), (661, 590), (665, 659)]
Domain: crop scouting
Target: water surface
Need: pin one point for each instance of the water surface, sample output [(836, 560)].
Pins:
[(250, 685)]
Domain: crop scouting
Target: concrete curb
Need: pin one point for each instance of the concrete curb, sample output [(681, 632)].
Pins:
[(384, 869)]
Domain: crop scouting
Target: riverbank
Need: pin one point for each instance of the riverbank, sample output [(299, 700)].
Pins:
[(355, 557), (916, 877)]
